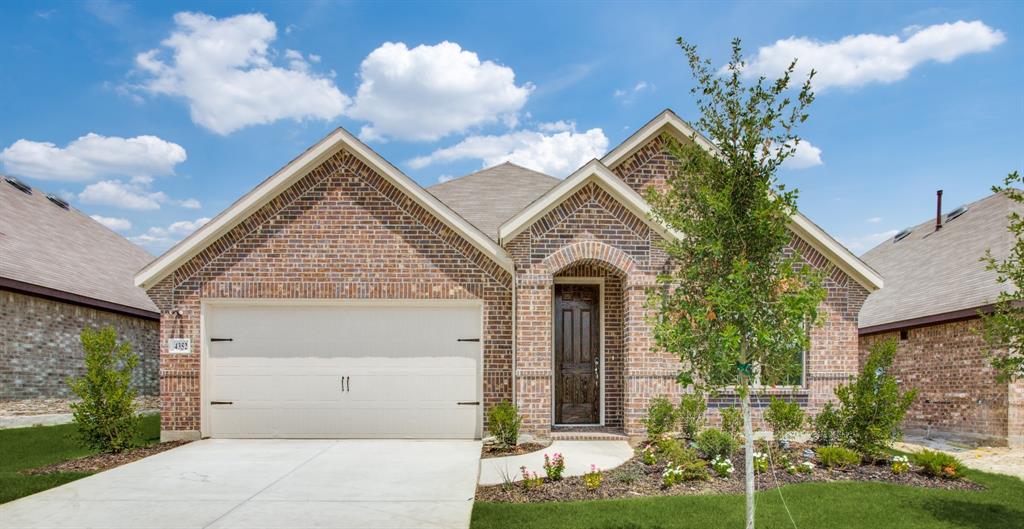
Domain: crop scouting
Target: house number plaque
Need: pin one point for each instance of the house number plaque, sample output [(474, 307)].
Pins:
[(179, 346)]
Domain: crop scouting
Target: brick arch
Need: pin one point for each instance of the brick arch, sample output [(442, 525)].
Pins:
[(594, 251)]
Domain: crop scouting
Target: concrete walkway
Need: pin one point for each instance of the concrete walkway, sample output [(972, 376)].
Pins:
[(995, 459), (268, 484), (579, 455)]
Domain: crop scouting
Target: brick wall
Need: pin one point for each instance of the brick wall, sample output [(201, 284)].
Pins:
[(40, 346)]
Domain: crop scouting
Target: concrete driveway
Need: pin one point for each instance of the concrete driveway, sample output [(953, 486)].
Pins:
[(286, 484)]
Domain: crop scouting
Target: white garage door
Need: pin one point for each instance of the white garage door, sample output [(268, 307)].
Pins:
[(354, 370)]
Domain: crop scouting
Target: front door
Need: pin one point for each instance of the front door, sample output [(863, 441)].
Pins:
[(577, 354)]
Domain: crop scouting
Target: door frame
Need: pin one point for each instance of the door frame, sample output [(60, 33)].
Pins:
[(204, 363), (599, 281)]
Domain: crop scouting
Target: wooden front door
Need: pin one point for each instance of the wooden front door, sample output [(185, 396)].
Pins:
[(577, 354)]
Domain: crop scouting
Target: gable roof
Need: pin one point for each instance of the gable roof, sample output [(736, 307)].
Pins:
[(491, 196), (63, 253), (930, 273), (292, 172)]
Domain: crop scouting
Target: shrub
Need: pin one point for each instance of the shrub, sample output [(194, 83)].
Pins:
[(530, 479), (837, 456), (873, 405), (900, 465), (732, 421), (649, 454), (592, 480), (828, 426), (554, 466), (714, 443), (760, 462), (722, 466), (691, 414), (938, 464), (661, 417), (803, 468), (784, 417), (628, 476), (106, 417), (504, 421), (683, 465)]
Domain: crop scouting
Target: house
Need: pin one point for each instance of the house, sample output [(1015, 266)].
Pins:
[(935, 287), (61, 271), (340, 299)]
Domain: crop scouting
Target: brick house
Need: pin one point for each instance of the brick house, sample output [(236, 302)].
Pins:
[(341, 299), (61, 271), (935, 287)]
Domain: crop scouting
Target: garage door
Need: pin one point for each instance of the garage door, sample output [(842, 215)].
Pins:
[(352, 371)]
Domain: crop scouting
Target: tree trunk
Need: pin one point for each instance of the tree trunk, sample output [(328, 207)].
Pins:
[(748, 456)]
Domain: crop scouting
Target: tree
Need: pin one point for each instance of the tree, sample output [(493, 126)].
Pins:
[(106, 417), (1003, 328), (737, 305)]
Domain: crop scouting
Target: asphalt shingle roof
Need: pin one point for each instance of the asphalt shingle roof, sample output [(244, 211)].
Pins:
[(934, 272), (63, 249)]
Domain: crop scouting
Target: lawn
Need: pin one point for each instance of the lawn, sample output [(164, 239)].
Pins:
[(24, 448), (851, 505)]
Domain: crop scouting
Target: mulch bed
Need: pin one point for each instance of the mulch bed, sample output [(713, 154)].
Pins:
[(635, 479), (101, 462), (494, 450)]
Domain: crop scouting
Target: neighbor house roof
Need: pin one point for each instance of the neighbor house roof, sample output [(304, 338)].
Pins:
[(61, 253), (491, 196), (937, 274)]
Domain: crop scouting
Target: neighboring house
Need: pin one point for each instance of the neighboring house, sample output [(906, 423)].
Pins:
[(935, 286), (61, 271), (340, 299)]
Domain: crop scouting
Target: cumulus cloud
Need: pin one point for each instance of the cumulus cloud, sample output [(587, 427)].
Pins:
[(160, 238), (113, 223), (806, 155), (875, 220), (134, 194), (428, 92), (862, 243), (93, 156), (557, 153), (857, 60), (225, 71)]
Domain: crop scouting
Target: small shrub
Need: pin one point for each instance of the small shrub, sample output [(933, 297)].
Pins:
[(760, 462), (716, 443), (592, 480), (530, 479), (106, 417), (802, 468), (627, 477), (692, 470), (827, 426), (900, 465), (837, 456), (722, 466), (504, 421), (554, 466), (691, 414), (784, 417), (649, 454), (683, 458), (661, 417), (732, 421), (938, 464)]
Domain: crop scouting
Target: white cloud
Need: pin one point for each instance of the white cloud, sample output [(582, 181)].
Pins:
[(857, 60), (875, 220), (160, 238), (806, 155), (113, 223), (445, 178), (557, 154), (628, 95), (223, 68), (122, 195), (93, 156), (428, 92), (863, 243), (190, 203)]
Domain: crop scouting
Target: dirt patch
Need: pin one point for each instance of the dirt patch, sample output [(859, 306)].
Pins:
[(635, 479), (101, 462), (493, 450)]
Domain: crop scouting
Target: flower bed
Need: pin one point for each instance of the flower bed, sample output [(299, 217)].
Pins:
[(104, 461)]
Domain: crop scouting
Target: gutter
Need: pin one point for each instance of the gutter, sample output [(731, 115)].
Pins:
[(75, 299), (933, 319)]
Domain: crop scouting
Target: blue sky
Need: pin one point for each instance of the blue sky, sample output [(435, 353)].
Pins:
[(154, 117)]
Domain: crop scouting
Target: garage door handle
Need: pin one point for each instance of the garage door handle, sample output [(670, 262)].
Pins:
[(473, 403), (221, 402), (477, 340)]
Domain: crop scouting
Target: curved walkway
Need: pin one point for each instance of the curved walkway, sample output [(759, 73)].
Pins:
[(579, 455)]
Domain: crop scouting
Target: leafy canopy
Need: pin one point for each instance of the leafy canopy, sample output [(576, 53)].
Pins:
[(106, 416), (1003, 329)]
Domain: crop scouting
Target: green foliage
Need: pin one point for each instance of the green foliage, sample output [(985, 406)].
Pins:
[(1003, 328), (530, 479), (106, 417), (760, 462), (554, 466), (872, 405), (837, 456), (785, 417), (938, 464), (661, 417), (732, 421), (592, 480), (716, 443), (828, 426), (682, 463), (504, 421), (691, 414)]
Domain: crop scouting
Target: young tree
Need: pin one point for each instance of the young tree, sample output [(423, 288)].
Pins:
[(106, 417), (1003, 328), (737, 305)]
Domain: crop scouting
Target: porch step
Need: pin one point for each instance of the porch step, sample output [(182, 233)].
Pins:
[(588, 434)]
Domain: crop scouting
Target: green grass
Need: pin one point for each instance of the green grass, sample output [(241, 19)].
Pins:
[(814, 505), (24, 448)]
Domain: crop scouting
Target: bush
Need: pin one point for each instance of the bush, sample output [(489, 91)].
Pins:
[(732, 421), (716, 443), (504, 421), (900, 464), (530, 479), (592, 480), (784, 418), (691, 414), (722, 466), (837, 456), (554, 466), (873, 405), (661, 417), (828, 426), (683, 464), (106, 417), (938, 464), (760, 462)]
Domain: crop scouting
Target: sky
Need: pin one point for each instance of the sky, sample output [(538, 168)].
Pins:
[(154, 117)]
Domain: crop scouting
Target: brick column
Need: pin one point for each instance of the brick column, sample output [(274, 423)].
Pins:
[(533, 354)]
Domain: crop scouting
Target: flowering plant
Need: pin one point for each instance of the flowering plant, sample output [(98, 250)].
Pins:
[(530, 479), (672, 475), (760, 462), (593, 479), (803, 468), (900, 464), (649, 454), (722, 466), (554, 466)]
